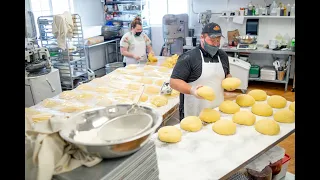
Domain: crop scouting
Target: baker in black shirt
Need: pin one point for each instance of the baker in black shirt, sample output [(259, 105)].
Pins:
[(206, 65)]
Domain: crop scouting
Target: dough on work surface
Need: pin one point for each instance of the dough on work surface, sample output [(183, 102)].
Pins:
[(206, 92), (245, 100), (137, 73), (153, 74), (277, 101), (41, 117), (152, 90), (104, 102), (231, 83), (262, 109), (84, 96), (143, 98), (224, 127), (164, 69), (229, 107), (267, 127), (284, 116), (258, 95), (159, 82), (146, 80), (148, 67), (170, 134), (73, 107), (132, 66), (244, 118), (209, 115), (30, 111), (159, 100), (85, 87), (68, 95), (121, 91), (174, 92), (134, 86), (292, 107), (101, 89), (191, 123), (49, 103)]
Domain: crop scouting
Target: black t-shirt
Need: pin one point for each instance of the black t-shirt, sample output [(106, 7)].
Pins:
[(189, 67)]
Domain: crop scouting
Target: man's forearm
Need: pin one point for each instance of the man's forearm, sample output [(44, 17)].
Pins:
[(180, 86)]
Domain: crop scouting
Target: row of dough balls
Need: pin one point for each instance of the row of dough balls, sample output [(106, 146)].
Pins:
[(226, 127)]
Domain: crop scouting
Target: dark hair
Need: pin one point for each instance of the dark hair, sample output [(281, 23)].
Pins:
[(136, 21)]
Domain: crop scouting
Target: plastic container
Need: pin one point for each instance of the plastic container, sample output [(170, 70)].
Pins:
[(254, 71), (189, 41), (284, 167), (281, 75)]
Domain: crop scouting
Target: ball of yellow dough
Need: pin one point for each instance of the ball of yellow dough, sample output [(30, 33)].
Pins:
[(191, 123), (267, 127), (146, 80), (132, 66), (170, 134), (159, 82), (277, 101), (209, 115), (284, 116), (229, 107), (148, 67), (224, 127), (85, 87), (152, 90), (231, 83), (143, 98), (262, 109), (258, 95), (206, 93), (292, 107), (134, 86), (159, 100), (104, 102), (244, 118), (68, 95), (49, 103), (245, 100), (101, 89)]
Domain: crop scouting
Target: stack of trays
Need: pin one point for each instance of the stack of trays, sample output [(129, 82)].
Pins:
[(138, 166)]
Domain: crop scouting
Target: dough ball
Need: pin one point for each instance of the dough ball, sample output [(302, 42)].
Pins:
[(224, 127), (132, 66), (148, 67), (258, 95), (84, 96), (209, 115), (231, 83), (85, 87), (128, 77), (72, 107), (143, 98), (262, 109), (277, 101), (121, 91), (146, 80), (292, 106), (41, 117), (152, 90), (49, 103), (206, 93), (229, 107), (244, 118), (164, 69), (245, 100), (267, 127), (284, 116), (134, 86), (104, 102), (31, 111), (175, 92), (191, 123), (137, 73), (101, 89), (159, 82), (68, 95), (170, 134), (159, 100)]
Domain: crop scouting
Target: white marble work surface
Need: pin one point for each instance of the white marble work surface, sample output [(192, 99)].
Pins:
[(205, 155)]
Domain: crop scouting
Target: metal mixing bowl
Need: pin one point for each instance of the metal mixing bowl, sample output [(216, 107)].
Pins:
[(91, 119)]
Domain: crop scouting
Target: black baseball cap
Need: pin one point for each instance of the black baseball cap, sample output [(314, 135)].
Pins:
[(212, 29)]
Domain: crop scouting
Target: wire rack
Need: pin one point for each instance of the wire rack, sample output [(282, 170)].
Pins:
[(72, 63)]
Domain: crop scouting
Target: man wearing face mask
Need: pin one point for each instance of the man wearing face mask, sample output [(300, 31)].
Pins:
[(134, 44), (206, 65)]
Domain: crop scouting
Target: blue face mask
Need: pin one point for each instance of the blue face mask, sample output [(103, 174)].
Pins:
[(212, 50)]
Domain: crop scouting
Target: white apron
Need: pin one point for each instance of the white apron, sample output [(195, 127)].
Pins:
[(139, 50), (212, 76)]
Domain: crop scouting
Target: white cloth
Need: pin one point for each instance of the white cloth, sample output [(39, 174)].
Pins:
[(47, 154), (62, 28), (139, 49), (212, 76)]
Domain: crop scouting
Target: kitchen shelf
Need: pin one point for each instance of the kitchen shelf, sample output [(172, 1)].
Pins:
[(265, 80), (262, 17), (122, 2)]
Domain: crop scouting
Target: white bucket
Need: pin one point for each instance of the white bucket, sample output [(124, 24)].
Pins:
[(189, 41)]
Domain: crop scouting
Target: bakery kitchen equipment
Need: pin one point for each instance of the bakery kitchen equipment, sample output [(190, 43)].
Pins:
[(204, 17), (175, 30), (247, 42), (240, 69), (41, 80)]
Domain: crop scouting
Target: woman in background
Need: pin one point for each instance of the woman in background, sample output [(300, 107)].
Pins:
[(135, 44)]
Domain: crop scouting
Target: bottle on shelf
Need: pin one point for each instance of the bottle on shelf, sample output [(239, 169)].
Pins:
[(273, 9), (288, 9), (293, 12)]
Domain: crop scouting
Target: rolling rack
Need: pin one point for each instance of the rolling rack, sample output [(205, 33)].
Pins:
[(71, 62)]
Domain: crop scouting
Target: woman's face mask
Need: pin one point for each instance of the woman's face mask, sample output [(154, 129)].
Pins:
[(138, 33)]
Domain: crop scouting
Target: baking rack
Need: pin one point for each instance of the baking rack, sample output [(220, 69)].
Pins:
[(72, 63)]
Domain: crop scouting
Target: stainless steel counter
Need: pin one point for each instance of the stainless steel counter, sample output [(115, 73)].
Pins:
[(260, 50)]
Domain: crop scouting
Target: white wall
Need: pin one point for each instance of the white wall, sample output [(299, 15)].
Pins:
[(90, 11)]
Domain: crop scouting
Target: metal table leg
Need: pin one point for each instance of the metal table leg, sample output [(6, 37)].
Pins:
[(294, 77)]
